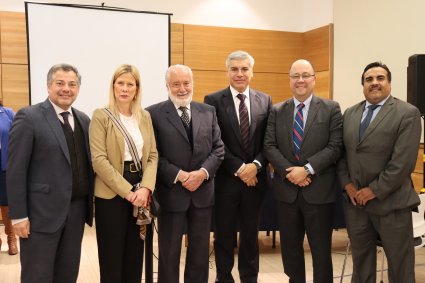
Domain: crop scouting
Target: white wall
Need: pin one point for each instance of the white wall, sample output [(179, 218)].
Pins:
[(283, 15), (367, 31)]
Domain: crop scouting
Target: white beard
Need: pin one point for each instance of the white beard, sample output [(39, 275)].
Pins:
[(181, 102)]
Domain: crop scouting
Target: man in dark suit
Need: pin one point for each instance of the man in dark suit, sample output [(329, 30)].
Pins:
[(190, 152), (241, 180), (381, 139), (50, 181), (303, 143)]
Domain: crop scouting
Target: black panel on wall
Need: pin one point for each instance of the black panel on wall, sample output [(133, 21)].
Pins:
[(416, 81)]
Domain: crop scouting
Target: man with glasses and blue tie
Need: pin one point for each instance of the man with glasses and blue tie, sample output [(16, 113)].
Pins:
[(303, 142), (381, 141)]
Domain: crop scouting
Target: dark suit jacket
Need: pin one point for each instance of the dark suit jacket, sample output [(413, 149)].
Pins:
[(39, 175), (235, 156), (175, 153), (321, 147), (385, 157)]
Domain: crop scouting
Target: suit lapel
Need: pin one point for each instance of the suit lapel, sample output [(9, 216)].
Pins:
[(54, 124), (386, 109), (84, 127), (229, 105), (196, 120), (173, 117), (288, 112), (312, 113), (254, 101)]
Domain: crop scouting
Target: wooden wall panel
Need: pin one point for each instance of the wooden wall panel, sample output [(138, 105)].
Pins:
[(322, 84), (177, 44), (13, 38), (276, 85), (15, 86), (316, 47), (206, 82), (206, 48)]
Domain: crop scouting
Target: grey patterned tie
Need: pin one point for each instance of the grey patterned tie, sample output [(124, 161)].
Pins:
[(185, 116)]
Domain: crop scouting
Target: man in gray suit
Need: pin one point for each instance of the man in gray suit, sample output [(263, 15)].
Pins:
[(381, 139), (190, 152), (303, 142), (50, 181)]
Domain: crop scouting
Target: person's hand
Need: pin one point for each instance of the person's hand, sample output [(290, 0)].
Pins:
[(183, 176), (248, 174), (194, 180), (364, 195), (141, 197), (22, 229), (252, 182), (351, 191), (298, 176)]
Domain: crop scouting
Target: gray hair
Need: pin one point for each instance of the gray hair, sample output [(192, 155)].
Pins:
[(174, 68), (239, 55), (62, 67)]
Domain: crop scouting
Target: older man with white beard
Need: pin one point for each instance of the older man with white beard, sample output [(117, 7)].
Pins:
[(190, 150)]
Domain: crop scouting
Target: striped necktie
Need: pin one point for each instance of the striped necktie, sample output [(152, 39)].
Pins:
[(243, 121), (297, 135)]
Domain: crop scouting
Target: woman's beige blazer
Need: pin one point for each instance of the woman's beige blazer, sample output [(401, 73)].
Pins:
[(107, 153)]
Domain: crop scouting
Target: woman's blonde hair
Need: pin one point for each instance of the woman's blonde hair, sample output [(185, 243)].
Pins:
[(136, 106)]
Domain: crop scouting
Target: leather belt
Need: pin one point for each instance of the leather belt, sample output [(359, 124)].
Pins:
[(129, 166)]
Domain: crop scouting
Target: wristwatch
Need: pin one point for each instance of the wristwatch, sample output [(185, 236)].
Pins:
[(258, 166), (307, 170)]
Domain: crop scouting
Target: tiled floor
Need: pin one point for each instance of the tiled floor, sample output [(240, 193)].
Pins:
[(271, 269)]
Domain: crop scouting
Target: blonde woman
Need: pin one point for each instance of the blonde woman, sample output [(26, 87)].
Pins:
[(118, 184)]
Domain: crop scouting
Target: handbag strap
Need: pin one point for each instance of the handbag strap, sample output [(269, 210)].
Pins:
[(131, 146)]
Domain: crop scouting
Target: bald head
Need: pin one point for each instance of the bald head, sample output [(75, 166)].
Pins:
[(301, 63)]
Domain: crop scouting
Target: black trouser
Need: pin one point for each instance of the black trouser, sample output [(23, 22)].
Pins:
[(120, 248)]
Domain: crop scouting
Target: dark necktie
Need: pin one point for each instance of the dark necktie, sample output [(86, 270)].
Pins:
[(243, 120), (298, 132), (65, 116), (185, 116), (366, 121)]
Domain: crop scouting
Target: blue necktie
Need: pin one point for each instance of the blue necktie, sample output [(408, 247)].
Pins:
[(366, 121), (298, 131)]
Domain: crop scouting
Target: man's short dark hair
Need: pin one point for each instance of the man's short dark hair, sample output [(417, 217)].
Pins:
[(375, 65)]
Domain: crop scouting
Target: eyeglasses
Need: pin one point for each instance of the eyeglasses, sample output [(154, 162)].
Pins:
[(178, 84), (304, 76)]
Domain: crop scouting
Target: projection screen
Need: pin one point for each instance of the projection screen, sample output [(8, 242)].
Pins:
[(97, 40)]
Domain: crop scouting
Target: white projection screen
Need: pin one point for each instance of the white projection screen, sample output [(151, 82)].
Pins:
[(97, 40)]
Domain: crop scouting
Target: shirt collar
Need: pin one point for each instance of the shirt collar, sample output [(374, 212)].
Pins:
[(307, 102), (177, 106), (235, 92), (59, 110), (382, 102)]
